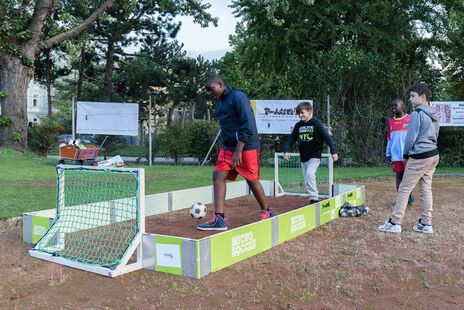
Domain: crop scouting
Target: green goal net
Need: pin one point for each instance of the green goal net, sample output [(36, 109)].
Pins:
[(99, 216), (289, 175)]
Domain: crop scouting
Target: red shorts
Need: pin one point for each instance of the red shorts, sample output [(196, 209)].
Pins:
[(398, 166), (249, 168)]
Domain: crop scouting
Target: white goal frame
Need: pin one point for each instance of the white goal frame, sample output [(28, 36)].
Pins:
[(135, 246), (279, 191)]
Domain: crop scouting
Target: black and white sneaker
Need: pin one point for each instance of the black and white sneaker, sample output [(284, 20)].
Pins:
[(390, 227), (423, 228)]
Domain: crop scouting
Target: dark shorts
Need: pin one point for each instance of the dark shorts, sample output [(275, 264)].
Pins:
[(398, 166), (249, 168)]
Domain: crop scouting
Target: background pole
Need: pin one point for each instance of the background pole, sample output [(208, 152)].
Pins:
[(73, 120), (149, 131)]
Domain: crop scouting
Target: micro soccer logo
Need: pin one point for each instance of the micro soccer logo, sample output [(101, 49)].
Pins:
[(39, 230), (243, 243), (297, 223)]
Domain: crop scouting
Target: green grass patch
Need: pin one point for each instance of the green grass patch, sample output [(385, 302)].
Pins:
[(28, 182)]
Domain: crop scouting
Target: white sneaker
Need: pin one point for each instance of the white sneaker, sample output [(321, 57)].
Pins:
[(390, 227), (423, 228)]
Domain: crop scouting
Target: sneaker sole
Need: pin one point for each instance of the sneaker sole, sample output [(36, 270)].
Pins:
[(390, 231), (422, 231), (212, 228)]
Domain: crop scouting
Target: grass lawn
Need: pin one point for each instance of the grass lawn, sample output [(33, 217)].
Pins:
[(28, 182)]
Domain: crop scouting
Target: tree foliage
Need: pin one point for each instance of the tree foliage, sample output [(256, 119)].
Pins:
[(29, 28), (360, 53), (21, 42)]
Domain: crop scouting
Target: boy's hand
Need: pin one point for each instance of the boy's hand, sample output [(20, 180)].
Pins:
[(287, 156), (335, 157), (237, 159), (389, 160)]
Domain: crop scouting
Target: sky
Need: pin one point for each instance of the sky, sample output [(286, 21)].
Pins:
[(211, 42)]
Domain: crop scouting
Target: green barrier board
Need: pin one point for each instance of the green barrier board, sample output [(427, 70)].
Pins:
[(355, 197), (238, 244), (296, 222), (40, 225), (168, 255)]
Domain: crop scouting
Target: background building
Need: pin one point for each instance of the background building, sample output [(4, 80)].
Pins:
[(37, 105)]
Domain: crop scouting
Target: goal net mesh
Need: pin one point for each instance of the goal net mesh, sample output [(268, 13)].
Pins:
[(97, 215), (289, 174)]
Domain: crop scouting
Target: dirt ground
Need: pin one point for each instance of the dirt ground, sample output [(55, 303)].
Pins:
[(345, 264), (240, 212)]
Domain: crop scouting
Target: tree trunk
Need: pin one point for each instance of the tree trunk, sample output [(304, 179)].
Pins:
[(49, 87), (183, 116), (192, 114), (15, 77), (169, 116), (14, 81), (81, 74), (109, 72)]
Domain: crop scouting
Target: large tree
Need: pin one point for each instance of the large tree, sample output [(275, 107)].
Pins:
[(21, 42), (150, 20)]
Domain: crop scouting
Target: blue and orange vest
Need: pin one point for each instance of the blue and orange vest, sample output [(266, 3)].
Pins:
[(396, 134)]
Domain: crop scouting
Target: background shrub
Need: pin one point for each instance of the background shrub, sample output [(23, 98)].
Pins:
[(451, 146), (175, 142), (202, 135), (42, 137)]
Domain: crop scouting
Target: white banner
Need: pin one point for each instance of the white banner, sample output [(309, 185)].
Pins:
[(276, 116), (107, 118), (451, 112)]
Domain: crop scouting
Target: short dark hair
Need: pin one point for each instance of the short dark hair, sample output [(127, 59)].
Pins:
[(398, 100), (214, 78), (305, 105), (422, 89)]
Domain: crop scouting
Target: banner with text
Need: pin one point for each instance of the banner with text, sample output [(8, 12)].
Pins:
[(451, 113), (276, 116)]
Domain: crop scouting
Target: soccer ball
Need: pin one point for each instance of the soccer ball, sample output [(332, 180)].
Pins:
[(198, 210)]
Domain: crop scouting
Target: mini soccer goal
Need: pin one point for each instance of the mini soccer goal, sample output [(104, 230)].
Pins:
[(99, 220), (289, 175)]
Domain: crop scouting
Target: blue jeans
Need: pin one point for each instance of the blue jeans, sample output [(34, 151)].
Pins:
[(309, 173)]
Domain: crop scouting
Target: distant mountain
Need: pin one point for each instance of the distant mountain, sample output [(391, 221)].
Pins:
[(209, 55)]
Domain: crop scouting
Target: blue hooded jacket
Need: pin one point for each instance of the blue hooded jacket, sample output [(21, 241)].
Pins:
[(237, 119)]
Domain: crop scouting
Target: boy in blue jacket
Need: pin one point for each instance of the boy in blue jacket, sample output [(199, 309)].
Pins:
[(240, 149), (421, 157)]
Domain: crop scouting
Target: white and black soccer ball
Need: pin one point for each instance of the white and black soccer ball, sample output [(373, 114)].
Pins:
[(198, 210)]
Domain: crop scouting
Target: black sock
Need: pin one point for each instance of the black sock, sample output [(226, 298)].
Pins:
[(221, 214)]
